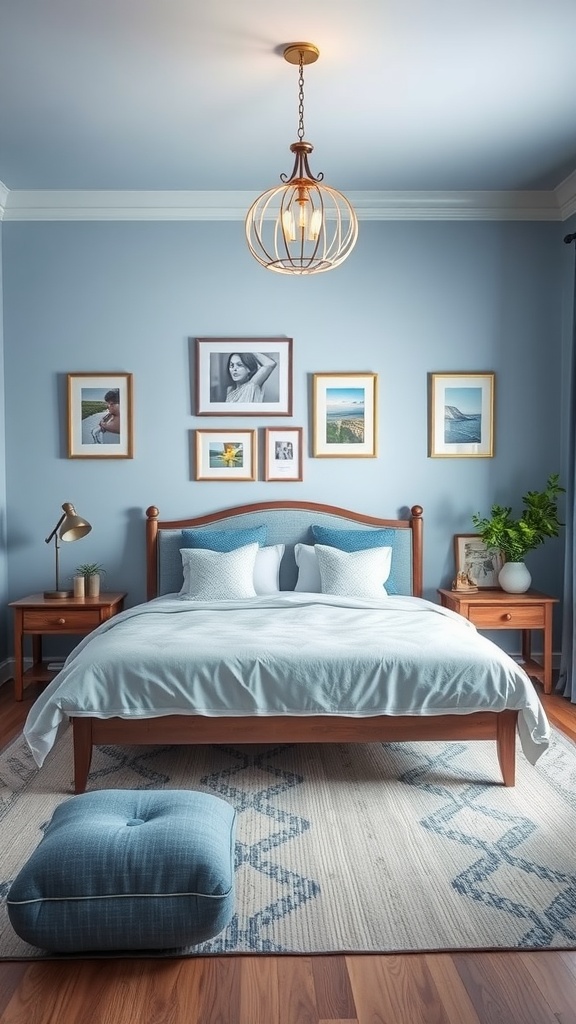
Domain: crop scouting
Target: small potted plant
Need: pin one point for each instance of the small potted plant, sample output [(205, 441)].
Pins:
[(514, 538), (91, 572)]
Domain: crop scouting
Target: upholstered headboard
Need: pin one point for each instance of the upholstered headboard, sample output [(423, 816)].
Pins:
[(289, 523)]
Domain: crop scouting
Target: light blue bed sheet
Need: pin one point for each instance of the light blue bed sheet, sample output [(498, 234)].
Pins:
[(286, 654)]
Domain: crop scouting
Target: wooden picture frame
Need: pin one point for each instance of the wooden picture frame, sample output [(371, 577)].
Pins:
[(344, 414), (461, 415), (243, 376), (100, 416), (283, 453), (225, 455), (480, 564)]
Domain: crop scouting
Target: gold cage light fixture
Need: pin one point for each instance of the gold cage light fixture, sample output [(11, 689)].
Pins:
[(302, 226)]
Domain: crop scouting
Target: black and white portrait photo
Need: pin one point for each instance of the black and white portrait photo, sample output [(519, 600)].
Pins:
[(243, 376), (284, 450)]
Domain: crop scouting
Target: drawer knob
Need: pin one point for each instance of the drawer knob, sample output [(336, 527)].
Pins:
[(507, 616), (61, 622)]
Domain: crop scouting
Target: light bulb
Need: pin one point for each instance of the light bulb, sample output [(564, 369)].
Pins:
[(288, 225), (315, 225)]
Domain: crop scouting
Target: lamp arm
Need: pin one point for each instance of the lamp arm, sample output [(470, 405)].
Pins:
[(56, 528)]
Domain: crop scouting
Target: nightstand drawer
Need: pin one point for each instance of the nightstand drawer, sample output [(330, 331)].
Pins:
[(511, 616), (58, 621)]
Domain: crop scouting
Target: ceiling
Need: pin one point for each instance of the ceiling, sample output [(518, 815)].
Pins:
[(189, 95)]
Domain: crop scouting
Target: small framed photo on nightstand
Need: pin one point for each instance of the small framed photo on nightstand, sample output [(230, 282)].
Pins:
[(480, 564)]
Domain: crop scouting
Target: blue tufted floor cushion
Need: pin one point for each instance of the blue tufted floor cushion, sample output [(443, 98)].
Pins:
[(128, 869)]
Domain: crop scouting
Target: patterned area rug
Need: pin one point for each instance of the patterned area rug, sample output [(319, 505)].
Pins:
[(384, 847)]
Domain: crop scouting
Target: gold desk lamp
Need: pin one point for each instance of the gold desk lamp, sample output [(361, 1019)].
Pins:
[(70, 526)]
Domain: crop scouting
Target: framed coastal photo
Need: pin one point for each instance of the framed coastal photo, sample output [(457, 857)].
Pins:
[(225, 455), (461, 415), (283, 453), (100, 416), (480, 564), (243, 376), (344, 415)]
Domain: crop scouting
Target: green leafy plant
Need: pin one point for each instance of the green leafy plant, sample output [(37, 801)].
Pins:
[(538, 521), (90, 569)]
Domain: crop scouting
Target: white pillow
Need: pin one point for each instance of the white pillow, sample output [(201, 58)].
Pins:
[(267, 569), (354, 573), (218, 575), (308, 570)]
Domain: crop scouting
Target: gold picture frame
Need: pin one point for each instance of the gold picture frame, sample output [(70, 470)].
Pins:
[(100, 416), (225, 455), (345, 415), (461, 415)]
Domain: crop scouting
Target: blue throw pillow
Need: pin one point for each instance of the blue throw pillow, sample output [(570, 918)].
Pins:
[(358, 540), (224, 540)]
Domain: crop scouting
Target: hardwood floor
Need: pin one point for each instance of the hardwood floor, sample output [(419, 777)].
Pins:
[(443, 988)]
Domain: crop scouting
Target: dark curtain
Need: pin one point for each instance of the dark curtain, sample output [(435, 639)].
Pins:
[(567, 678)]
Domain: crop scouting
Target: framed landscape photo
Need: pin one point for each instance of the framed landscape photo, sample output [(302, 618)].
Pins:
[(243, 376), (100, 416), (344, 413), (481, 564), (225, 455), (283, 453), (461, 411)]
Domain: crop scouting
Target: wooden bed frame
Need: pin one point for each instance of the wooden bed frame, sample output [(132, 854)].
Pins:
[(185, 729)]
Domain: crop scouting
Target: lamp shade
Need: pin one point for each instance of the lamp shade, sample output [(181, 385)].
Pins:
[(73, 526), (69, 527)]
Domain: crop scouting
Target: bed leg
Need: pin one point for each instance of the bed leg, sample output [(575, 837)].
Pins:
[(506, 744), (82, 731)]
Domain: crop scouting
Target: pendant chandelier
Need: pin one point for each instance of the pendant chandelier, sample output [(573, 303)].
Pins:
[(302, 226)]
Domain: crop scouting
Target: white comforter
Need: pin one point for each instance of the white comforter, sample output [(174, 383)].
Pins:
[(286, 654)]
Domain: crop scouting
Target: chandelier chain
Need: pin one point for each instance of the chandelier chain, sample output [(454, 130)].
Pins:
[(301, 99)]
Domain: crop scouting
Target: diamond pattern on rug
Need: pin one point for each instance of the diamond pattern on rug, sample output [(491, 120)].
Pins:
[(453, 821), (293, 889), (347, 848)]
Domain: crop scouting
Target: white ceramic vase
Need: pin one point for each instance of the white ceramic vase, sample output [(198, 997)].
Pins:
[(514, 577)]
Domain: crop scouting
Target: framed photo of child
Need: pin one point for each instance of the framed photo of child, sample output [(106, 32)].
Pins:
[(100, 416)]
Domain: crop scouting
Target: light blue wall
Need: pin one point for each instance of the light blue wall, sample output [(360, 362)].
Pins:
[(413, 298), (3, 546)]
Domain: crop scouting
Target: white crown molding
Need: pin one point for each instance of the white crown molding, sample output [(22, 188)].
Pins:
[(566, 194), (3, 199), (55, 205)]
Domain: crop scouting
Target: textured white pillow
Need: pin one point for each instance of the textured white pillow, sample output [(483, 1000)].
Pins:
[(218, 575), (354, 573), (267, 569), (308, 571)]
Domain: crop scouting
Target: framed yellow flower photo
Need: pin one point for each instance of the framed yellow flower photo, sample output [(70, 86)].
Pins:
[(225, 455)]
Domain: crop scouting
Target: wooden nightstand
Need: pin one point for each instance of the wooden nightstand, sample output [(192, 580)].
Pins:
[(36, 615), (496, 609)]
